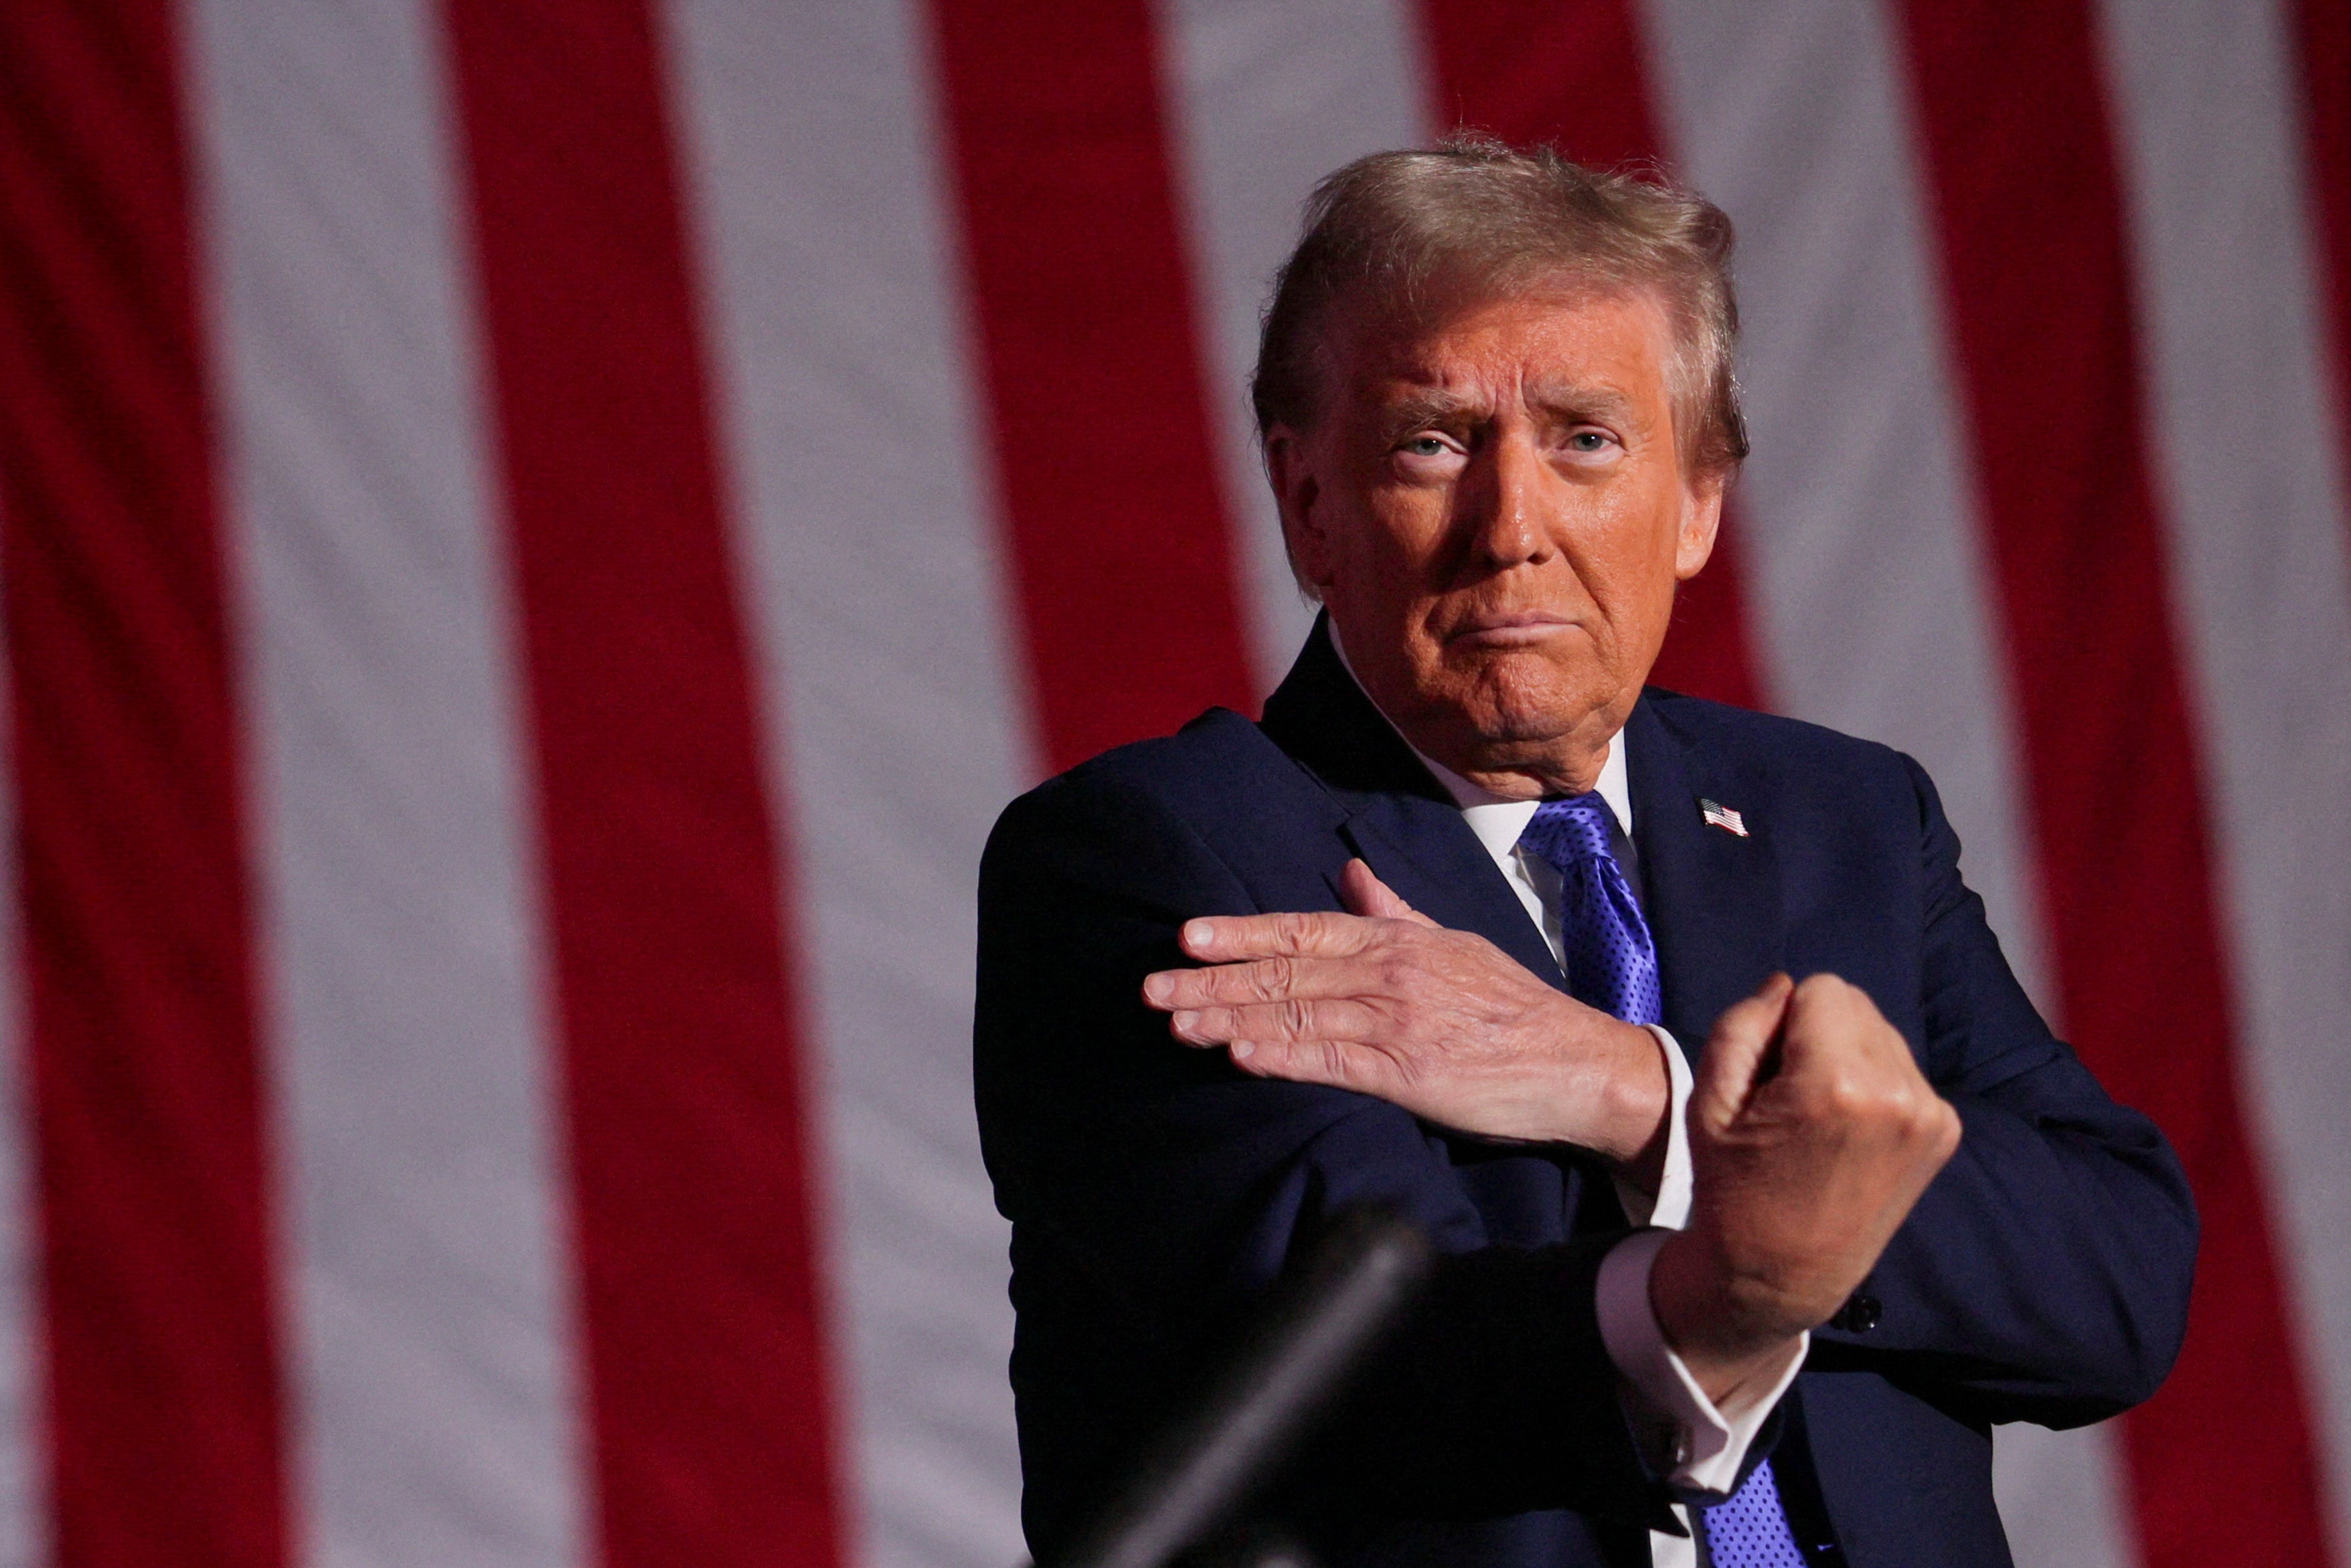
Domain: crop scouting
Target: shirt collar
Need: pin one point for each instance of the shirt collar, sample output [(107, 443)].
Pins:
[(1498, 822)]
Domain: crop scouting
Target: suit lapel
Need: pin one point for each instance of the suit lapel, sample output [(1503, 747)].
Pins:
[(1428, 854), (1712, 896), (1399, 819)]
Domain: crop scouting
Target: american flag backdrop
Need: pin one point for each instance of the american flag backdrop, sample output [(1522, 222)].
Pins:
[(536, 536)]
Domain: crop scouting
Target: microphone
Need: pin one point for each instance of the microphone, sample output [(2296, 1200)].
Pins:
[(1367, 1269)]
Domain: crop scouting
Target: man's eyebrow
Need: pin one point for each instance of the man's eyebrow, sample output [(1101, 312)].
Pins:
[(1427, 406), (1584, 403)]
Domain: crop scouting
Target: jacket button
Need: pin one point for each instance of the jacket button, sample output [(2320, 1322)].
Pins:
[(1859, 1314)]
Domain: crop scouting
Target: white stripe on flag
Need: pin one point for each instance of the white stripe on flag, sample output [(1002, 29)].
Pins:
[(1874, 610), (2245, 454), (23, 1480), (862, 512), (1870, 588), (2063, 1497), (433, 1413), (1264, 98)]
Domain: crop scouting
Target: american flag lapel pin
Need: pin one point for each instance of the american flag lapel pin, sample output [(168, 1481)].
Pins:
[(1718, 815)]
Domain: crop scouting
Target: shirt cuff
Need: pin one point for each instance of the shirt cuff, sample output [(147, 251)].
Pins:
[(1670, 1207), (1697, 1445)]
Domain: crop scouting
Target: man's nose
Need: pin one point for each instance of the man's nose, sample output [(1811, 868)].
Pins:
[(1508, 514)]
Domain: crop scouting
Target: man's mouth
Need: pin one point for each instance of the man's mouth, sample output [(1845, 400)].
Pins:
[(1509, 628)]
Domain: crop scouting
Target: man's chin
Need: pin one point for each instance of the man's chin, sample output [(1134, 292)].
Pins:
[(1529, 702), (1505, 727), (1490, 702)]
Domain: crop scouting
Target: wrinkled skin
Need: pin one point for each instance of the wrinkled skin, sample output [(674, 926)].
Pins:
[(1388, 1002)]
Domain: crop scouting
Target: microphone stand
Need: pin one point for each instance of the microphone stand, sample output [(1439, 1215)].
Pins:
[(1193, 1481)]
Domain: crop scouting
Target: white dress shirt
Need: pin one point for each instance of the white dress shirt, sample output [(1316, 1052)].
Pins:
[(1706, 1443)]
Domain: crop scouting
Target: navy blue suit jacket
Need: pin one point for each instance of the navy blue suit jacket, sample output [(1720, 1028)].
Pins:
[(1153, 1190)]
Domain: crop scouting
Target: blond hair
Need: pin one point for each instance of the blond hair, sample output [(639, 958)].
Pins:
[(1408, 233)]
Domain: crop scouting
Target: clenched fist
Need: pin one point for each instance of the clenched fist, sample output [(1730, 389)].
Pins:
[(1812, 1132)]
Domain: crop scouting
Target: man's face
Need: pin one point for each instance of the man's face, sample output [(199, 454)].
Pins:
[(1495, 512)]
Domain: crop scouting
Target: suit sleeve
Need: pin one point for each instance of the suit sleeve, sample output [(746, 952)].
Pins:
[(1154, 1190), (2044, 1274)]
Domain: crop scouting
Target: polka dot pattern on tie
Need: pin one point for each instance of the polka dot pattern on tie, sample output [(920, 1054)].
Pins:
[(1612, 963), (1751, 1530)]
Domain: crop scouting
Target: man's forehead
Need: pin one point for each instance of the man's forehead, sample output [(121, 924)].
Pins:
[(1542, 348), (1412, 399)]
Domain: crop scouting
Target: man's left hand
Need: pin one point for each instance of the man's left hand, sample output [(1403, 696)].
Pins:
[(1386, 1001)]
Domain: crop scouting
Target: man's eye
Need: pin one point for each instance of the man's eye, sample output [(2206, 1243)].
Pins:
[(1425, 446), (1587, 440)]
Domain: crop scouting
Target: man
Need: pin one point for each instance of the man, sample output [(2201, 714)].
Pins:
[(1438, 932)]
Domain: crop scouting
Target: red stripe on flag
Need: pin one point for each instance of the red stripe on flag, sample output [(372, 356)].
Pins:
[(1569, 72), (1707, 652), (2022, 170), (2325, 39), (138, 991), (1575, 74), (705, 1348), (1085, 322)]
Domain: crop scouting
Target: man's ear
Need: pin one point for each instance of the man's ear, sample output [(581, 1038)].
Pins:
[(1701, 519), (1297, 494)]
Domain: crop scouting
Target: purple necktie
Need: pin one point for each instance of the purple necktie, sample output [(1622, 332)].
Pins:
[(1612, 964)]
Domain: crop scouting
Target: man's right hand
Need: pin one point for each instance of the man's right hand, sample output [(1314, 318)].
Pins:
[(1812, 1132)]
